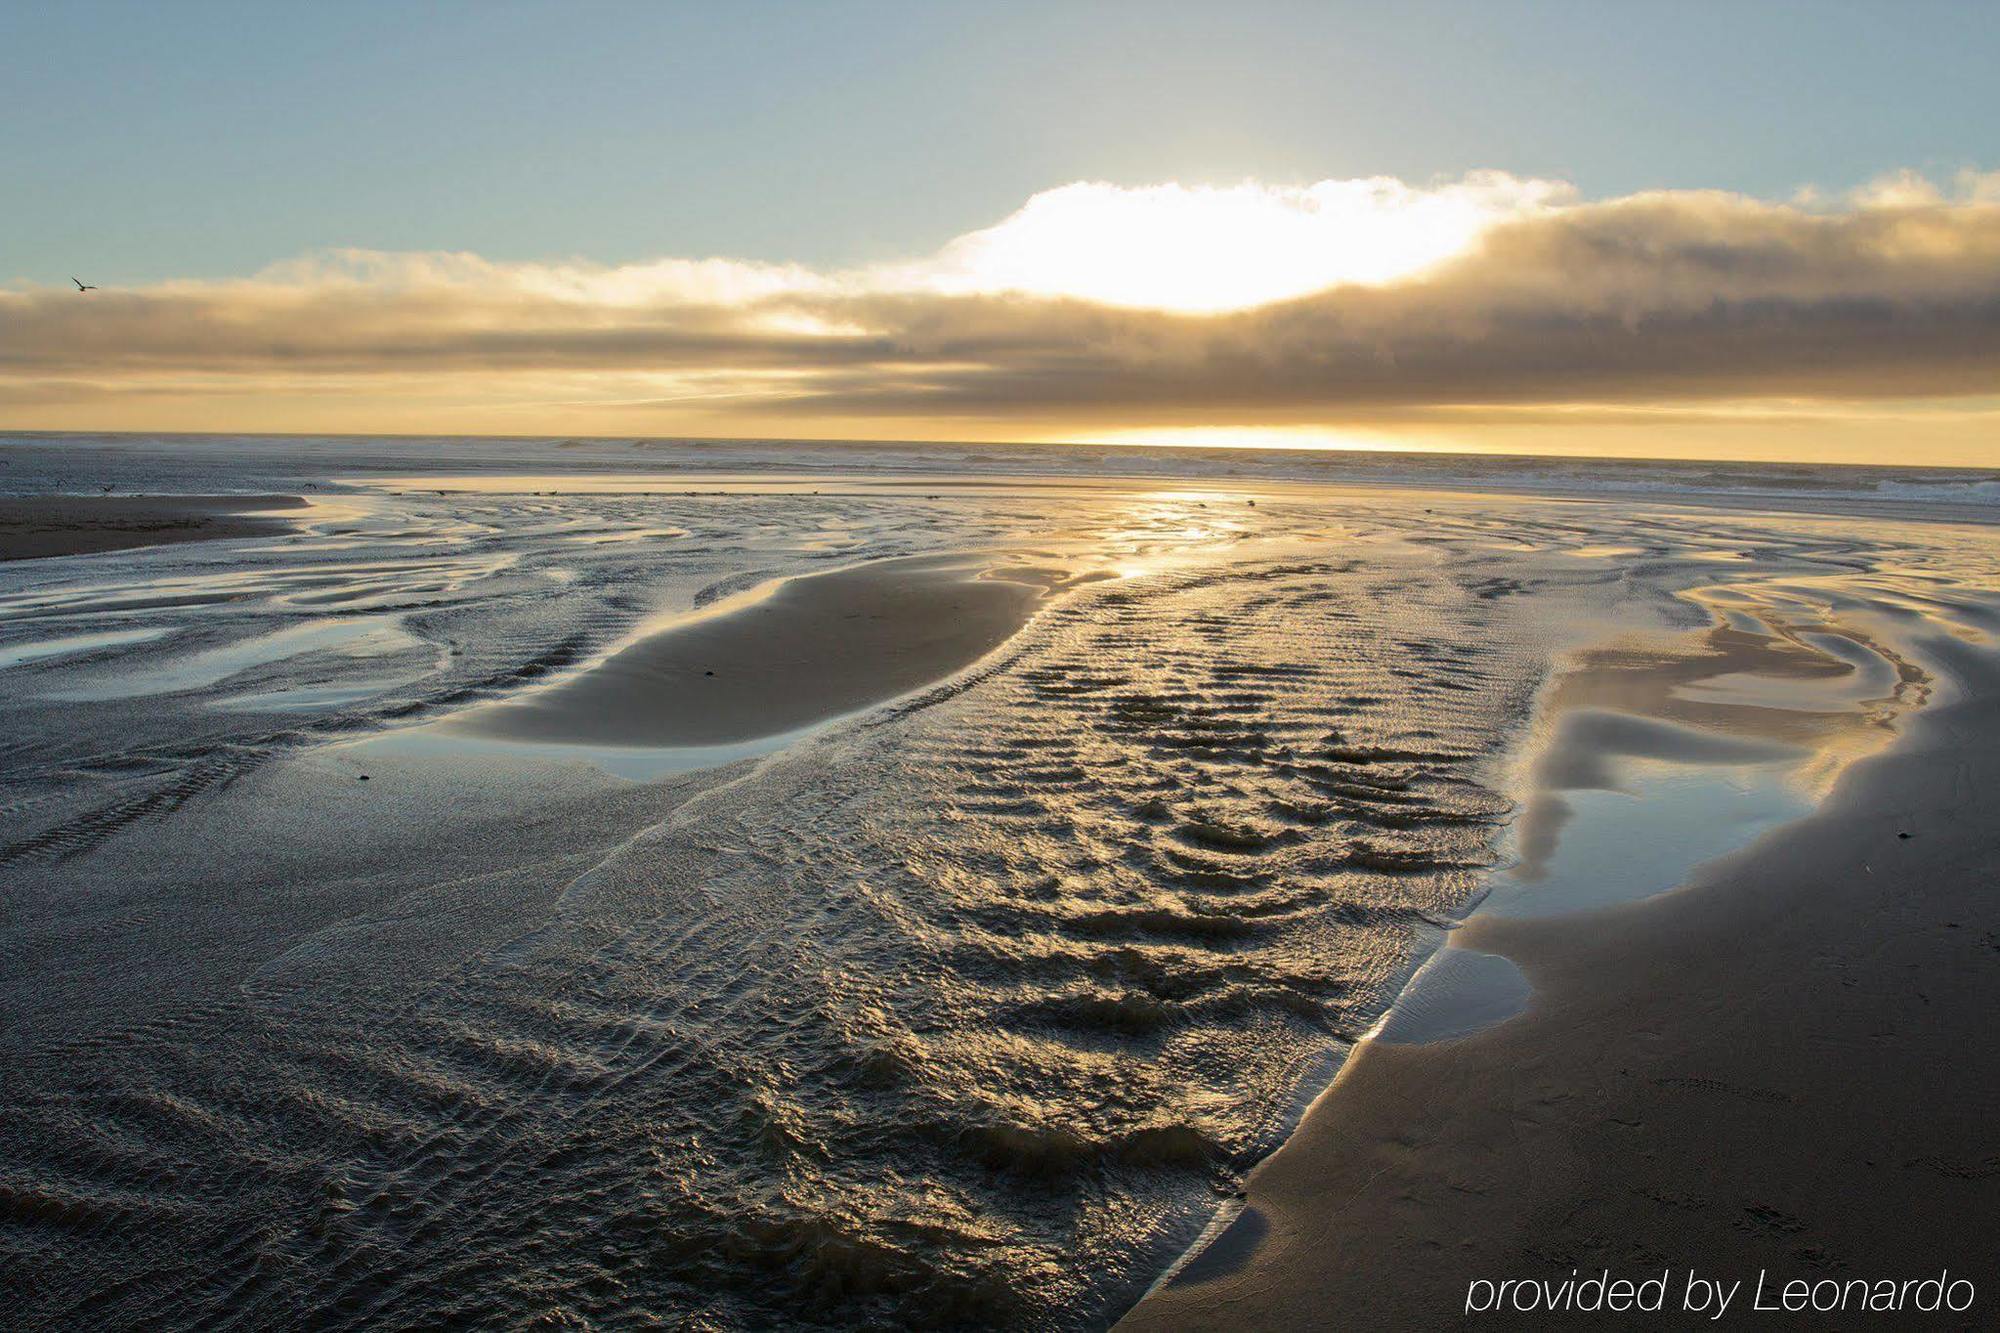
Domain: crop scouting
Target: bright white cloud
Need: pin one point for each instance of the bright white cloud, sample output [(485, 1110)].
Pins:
[(1207, 249)]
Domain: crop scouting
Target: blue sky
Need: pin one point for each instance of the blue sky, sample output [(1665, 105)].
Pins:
[(147, 141)]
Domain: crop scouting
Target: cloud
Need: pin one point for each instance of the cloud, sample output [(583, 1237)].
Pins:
[(1207, 249), (1343, 301)]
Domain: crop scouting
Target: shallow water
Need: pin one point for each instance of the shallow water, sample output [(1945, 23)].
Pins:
[(351, 638), (1625, 845), (71, 644), (967, 1007), (1456, 993)]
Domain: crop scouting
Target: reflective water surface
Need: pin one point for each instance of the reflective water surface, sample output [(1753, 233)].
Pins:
[(968, 1006)]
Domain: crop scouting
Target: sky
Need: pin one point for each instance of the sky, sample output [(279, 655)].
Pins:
[(1699, 229)]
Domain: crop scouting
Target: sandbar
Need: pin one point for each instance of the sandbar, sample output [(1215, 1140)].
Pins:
[(36, 527), (814, 647)]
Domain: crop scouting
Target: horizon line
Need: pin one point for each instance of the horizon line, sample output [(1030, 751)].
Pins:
[(1367, 451)]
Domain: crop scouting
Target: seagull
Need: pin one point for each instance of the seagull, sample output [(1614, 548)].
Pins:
[(81, 285)]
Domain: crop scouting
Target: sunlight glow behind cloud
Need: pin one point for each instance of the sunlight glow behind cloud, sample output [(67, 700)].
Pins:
[(1203, 249)]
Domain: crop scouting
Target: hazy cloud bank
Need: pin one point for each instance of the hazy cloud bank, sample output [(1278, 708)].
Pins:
[(1343, 301)]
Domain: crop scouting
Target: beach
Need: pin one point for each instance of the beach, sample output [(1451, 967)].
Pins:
[(612, 881), (1048, 668)]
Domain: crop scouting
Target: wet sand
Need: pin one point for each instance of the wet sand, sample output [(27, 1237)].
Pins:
[(1785, 1067), (808, 649), (965, 1010), (36, 527)]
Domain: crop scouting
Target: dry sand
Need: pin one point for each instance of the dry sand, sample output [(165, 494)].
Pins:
[(813, 648), (1786, 1066), (34, 527)]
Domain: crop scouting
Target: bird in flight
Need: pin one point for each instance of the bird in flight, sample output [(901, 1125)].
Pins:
[(81, 285)]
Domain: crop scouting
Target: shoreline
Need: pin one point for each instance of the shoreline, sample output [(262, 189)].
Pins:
[(1579, 1133), (43, 527)]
